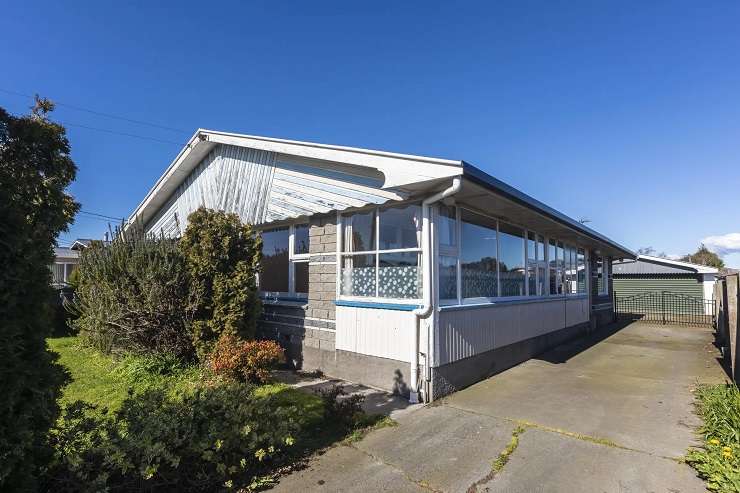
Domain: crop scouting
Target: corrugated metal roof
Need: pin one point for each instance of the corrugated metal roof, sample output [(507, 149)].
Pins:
[(655, 265)]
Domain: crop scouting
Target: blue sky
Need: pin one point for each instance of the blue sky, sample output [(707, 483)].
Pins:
[(627, 113)]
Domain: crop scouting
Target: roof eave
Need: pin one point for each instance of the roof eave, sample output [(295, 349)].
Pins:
[(481, 177)]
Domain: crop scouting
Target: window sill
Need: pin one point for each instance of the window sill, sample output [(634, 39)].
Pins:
[(376, 305), (285, 301), (519, 301)]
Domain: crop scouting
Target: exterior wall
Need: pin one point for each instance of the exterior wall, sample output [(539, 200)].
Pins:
[(629, 285), (602, 306), (464, 332), (473, 343), (463, 373), (376, 332)]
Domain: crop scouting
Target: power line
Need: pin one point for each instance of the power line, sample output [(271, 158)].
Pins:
[(125, 134), (100, 113), (101, 215)]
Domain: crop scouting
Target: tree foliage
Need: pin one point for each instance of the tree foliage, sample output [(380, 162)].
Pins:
[(35, 170), (222, 258), (131, 296), (703, 256)]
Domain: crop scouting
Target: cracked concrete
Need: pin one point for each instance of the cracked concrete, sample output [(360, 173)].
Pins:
[(607, 415)]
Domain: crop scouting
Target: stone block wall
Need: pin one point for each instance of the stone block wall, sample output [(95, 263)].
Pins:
[(307, 330)]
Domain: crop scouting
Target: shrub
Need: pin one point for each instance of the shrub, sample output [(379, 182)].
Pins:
[(340, 408), (222, 259), (718, 461), (245, 361), (216, 437), (132, 295), (35, 169)]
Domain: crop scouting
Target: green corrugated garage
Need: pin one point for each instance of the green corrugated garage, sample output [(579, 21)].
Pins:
[(648, 274), (631, 284)]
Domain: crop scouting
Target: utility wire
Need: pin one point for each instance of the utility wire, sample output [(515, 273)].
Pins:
[(100, 113), (101, 215), (125, 134)]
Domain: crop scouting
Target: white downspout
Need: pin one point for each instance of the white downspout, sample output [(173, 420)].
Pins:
[(426, 282)]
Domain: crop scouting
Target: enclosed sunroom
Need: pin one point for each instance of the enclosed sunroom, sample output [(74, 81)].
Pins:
[(411, 274)]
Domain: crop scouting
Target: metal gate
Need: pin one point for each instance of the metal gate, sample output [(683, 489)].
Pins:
[(665, 307)]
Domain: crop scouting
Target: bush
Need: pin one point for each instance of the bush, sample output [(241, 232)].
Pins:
[(245, 361), (35, 169), (215, 438), (131, 296), (718, 461), (340, 409), (222, 259)]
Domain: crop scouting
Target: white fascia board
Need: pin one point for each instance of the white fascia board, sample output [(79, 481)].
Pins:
[(187, 159), (398, 169), (700, 269)]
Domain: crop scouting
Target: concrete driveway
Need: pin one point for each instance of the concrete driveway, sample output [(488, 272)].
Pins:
[(611, 413)]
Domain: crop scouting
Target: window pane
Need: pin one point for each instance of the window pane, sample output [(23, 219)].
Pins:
[(532, 264), (301, 277), (541, 267), (57, 273), (358, 275), (560, 266), (581, 266), (446, 226), (359, 232), (400, 227), (553, 263), (275, 263), (511, 259), (448, 278), (478, 256), (399, 275), (300, 241), (600, 274)]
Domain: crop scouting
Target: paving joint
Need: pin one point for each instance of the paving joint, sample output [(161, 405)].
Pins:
[(570, 434), (420, 483)]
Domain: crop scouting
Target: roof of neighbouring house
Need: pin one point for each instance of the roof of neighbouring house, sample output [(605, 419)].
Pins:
[(65, 253), (387, 176), (647, 264)]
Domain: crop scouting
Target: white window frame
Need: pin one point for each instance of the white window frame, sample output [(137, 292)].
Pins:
[(604, 275), (66, 271), (377, 252), (293, 259)]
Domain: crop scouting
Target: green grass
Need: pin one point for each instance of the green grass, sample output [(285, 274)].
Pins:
[(505, 454), (718, 461)]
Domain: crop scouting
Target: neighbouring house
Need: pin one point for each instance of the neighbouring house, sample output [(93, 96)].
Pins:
[(406, 273), (65, 262), (647, 274)]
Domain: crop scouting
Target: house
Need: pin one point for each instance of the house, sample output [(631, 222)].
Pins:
[(406, 273), (65, 262), (647, 274)]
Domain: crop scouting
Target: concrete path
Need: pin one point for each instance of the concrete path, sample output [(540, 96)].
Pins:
[(611, 413)]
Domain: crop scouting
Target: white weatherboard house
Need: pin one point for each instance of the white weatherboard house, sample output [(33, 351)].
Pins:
[(407, 273)]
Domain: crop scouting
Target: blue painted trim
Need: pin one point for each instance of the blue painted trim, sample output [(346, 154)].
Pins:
[(526, 301), (380, 306)]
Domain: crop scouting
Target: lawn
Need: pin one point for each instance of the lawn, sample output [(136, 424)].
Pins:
[(105, 381)]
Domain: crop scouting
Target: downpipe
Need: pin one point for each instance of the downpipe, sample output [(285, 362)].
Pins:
[(426, 308)]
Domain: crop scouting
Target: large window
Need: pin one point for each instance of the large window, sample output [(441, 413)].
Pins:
[(381, 253), (511, 260), (284, 268), (480, 258), (60, 272)]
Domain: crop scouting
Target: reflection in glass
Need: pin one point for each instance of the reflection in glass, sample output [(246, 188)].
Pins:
[(399, 275), (511, 259), (400, 227), (478, 256), (275, 262)]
